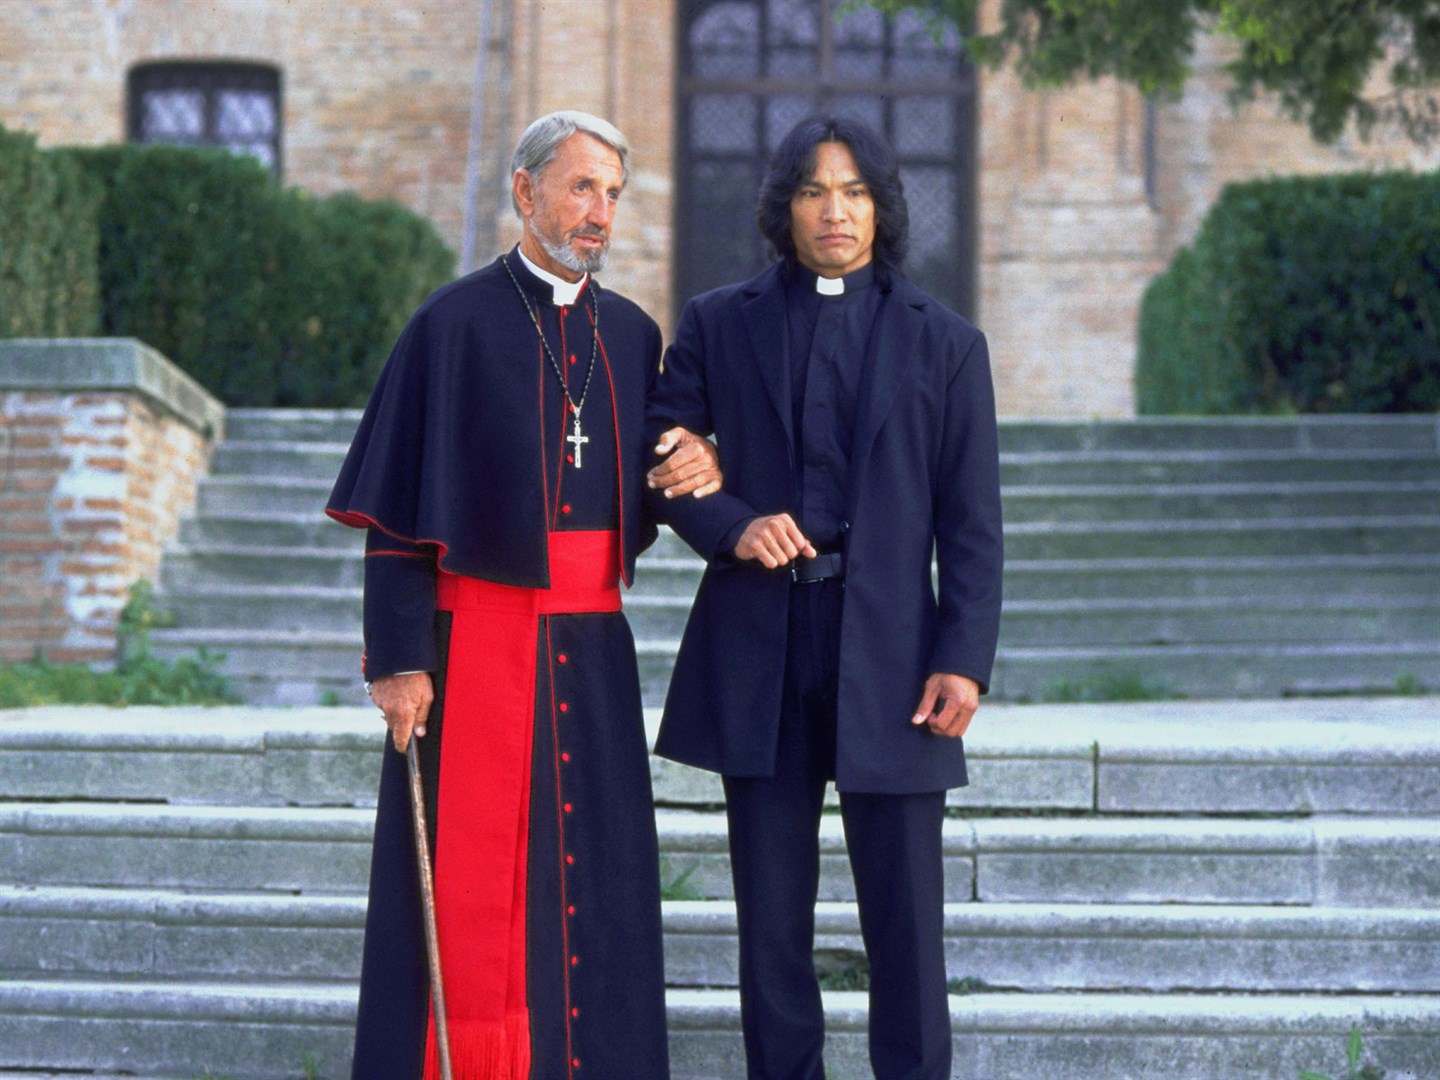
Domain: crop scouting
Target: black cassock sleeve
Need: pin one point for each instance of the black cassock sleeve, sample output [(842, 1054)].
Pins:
[(399, 606)]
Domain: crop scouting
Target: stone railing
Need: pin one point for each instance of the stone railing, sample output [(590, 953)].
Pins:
[(102, 442)]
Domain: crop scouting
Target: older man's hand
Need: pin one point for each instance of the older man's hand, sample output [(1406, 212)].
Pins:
[(405, 700), (692, 467)]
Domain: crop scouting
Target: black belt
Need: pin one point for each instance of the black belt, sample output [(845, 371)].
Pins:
[(821, 568)]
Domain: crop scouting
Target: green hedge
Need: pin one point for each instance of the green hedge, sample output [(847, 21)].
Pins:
[(267, 296), (1305, 294), (48, 243)]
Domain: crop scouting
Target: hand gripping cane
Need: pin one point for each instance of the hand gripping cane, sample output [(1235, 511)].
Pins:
[(427, 902)]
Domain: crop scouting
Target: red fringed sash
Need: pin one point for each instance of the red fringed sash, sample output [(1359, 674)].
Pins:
[(483, 815)]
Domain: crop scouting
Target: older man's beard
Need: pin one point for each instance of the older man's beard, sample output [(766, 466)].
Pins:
[(591, 263)]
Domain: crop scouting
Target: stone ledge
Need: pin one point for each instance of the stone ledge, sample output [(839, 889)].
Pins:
[(78, 365)]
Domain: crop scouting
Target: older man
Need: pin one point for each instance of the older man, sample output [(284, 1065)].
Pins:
[(498, 471)]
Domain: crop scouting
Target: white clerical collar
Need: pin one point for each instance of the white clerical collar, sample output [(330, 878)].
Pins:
[(829, 286), (566, 292)]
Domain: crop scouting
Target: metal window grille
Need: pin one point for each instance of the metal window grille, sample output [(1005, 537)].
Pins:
[(751, 68), (235, 106)]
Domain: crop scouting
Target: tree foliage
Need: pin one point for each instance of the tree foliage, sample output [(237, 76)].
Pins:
[(1316, 56)]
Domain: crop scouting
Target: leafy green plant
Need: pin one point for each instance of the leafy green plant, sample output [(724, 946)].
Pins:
[(1408, 685), (138, 678), (967, 984), (49, 243), (676, 885), (266, 295), (841, 969), (1304, 294), (1107, 686), (1354, 1070)]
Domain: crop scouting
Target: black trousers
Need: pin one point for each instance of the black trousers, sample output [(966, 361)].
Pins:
[(894, 842)]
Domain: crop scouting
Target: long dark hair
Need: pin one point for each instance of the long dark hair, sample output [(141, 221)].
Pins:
[(794, 163)]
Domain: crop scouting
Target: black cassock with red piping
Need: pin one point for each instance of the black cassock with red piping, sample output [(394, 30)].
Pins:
[(464, 465)]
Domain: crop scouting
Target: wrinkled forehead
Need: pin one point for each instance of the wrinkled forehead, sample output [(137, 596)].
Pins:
[(583, 156)]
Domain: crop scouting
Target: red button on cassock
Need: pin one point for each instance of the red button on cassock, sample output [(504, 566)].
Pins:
[(574, 960), (568, 808), (564, 757), (565, 509), (570, 860), (564, 706), (570, 910), (563, 658)]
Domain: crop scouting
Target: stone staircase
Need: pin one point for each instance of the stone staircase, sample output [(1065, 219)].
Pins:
[(1198, 557), (1214, 890)]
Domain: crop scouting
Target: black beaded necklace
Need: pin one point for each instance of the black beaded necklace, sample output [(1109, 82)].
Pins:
[(578, 439)]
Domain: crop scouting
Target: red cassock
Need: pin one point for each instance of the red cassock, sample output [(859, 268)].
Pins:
[(535, 761)]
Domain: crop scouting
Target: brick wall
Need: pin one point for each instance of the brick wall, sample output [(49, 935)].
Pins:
[(101, 446)]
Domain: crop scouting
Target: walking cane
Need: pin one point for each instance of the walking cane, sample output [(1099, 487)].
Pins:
[(427, 902)]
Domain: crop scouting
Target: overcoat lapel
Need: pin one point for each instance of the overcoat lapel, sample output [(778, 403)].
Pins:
[(762, 313), (891, 356)]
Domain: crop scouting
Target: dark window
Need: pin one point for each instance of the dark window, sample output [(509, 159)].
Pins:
[(751, 68), (236, 106)]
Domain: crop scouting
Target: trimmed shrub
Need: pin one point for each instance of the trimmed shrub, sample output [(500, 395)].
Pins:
[(1305, 294), (49, 284), (267, 296)]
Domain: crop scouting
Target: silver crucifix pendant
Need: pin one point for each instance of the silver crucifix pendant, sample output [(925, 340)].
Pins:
[(578, 440)]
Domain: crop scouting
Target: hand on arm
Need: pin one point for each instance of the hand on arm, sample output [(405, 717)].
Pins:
[(405, 700), (692, 467), (774, 539), (947, 704)]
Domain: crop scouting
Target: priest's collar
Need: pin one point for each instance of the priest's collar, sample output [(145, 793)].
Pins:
[(849, 283), (561, 293)]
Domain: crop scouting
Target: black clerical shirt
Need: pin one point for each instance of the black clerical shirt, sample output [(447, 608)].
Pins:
[(827, 340), (829, 337)]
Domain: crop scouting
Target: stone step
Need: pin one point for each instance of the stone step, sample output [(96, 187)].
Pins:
[(1323, 861), (292, 667), (1206, 434), (1368, 756), (1307, 434), (1349, 577), (339, 566), (289, 849), (1101, 1036), (1352, 577), (1252, 669), (307, 460), (291, 425), (302, 487), (177, 1030), (1072, 506), (69, 932), (1218, 466), (1114, 947), (1079, 503), (1025, 622), (1187, 538), (1375, 862), (226, 496)]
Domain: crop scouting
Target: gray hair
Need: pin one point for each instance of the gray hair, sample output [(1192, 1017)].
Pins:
[(541, 142)]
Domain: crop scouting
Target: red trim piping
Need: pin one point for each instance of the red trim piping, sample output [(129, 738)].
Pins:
[(560, 848), (619, 468)]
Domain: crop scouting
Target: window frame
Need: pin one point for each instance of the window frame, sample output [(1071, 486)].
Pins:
[(210, 77), (823, 88)]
